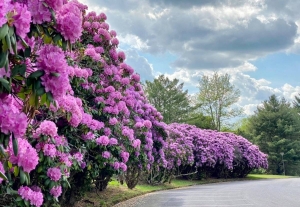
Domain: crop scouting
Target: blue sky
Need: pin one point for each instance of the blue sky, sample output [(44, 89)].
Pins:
[(257, 42)]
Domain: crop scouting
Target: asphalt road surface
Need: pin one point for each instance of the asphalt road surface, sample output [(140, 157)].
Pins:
[(255, 193)]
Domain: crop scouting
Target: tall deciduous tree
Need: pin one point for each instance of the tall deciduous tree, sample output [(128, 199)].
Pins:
[(169, 98), (217, 96), (276, 129)]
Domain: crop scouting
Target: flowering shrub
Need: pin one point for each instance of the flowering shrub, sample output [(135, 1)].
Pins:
[(223, 154), (73, 113)]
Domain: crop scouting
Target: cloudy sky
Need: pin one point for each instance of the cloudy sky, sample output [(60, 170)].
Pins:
[(257, 42)]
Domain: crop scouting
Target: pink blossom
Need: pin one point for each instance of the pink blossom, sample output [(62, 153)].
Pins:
[(25, 151), (78, 156), (113, 121), (47, 128), (49, 150), (116, 165), (121, 55), (148, 124), (39, 12), (55, 4), (22, 19), (54, 173), (106, 154), (5, 7), (56, 191), (102, 140), (123, 166), (35, 197), (124, 156), (113, 141), (69, 22)]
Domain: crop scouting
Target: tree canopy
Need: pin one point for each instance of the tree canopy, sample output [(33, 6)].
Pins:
[(169, 98), (275, 127), (217, 96)]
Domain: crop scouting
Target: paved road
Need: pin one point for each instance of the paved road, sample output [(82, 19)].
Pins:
[(259, 193)]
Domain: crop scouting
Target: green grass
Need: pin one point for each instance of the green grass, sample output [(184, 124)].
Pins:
[(116, 193), (263, 176)]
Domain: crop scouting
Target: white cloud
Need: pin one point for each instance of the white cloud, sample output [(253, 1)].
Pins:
[(289, 92), (132, 41)]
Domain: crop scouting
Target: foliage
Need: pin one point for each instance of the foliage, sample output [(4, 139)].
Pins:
[(73, 113), (199, 120), (216, 97), (275, 128), (168, 98), (68, 102)]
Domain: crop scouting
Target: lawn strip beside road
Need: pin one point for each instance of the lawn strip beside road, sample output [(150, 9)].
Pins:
[(116, 193)]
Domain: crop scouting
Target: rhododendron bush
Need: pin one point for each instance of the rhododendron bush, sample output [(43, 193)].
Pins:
[(73, 113), (221, 154)]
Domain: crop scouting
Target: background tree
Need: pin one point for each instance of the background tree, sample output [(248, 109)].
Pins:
[(275, 127), (296, 103), (216, 97), (169, 98), (199, 120)]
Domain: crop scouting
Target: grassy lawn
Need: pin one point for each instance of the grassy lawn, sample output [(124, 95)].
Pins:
[(262, 176), (116, 192)]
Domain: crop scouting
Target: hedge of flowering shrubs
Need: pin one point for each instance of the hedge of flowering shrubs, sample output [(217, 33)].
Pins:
[(217, 154), (73, 113)]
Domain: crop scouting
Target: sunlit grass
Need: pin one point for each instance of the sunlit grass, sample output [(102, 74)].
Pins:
[(263, 176)]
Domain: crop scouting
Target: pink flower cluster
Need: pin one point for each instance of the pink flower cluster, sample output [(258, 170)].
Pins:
[(54, 173), (27, 156), (56, 80), (34, 197), (69, 21), (47, 128), (12, 120), (212, 148), (56, 191)]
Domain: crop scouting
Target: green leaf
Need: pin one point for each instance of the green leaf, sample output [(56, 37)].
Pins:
[(22, 177), (3, 58), (36, 74), (15, 145), (18, 199), (27, 178), (47, 182), (3, 31), (3, 176), (14, 43), (53, 15), (8, 42), (43, 99), (24, 43), (52, 184), (21, 95), (5, 84), (40, 91), (57, 38), (49, 96), (55, 74), (27, 52), (40, 169), (2, 152), (18, 69), (47, 39), (64, 45), (26, 202), (33, 100), (16, 171)]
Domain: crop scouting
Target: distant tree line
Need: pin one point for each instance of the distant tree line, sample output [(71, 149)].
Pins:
[(274, 126)]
